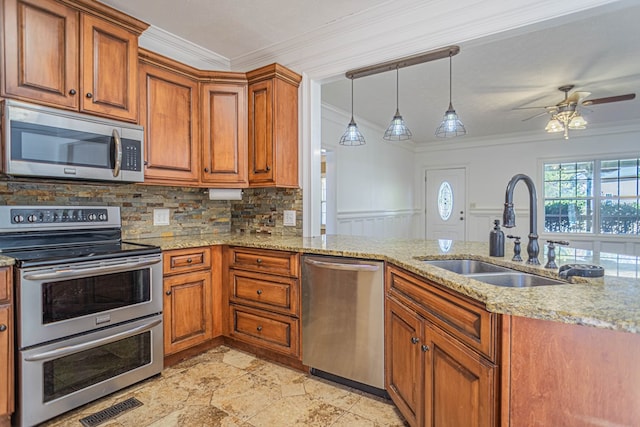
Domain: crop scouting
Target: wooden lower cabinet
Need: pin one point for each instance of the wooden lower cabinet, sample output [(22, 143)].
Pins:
[(262, 288), (191, 300), (6, 346), (433, 376)]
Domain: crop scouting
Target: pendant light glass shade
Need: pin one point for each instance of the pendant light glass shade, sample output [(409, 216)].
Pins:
[(397, 130), (352, 135), (451, 125)]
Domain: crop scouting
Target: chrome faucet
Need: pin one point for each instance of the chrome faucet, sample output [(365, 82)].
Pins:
[(509, 216)]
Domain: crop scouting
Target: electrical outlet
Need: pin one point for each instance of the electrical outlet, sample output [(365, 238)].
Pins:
[(290, 218), (161, 217)]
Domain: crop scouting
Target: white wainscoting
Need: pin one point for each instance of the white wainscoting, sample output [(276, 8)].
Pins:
[(387, 224)]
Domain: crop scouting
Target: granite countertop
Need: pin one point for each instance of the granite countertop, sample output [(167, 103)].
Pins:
[(612, 303)]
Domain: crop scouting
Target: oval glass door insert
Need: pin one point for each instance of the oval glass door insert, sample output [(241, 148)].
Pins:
[(445, 200)]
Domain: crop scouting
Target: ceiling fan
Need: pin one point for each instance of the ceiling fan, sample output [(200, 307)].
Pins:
[(565, 114)]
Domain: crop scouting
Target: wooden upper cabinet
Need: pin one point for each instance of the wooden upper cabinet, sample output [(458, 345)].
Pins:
[(273, 127), (109, 69), (224, 135), (169, 106), (41, 52), (79, 55)]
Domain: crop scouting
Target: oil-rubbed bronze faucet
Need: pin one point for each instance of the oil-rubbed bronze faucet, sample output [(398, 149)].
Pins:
[(509, 216)]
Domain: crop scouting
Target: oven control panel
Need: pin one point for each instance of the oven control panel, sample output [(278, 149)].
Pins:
[(33, 216), (23, 218)]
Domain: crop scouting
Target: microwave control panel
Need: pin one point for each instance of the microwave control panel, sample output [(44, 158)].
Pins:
[(131, 158)]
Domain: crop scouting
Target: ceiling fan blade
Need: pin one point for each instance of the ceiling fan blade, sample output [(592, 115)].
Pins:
[(533, 117), (608, 99), (577, 97)]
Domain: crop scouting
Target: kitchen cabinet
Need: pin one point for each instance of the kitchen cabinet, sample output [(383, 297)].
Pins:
[(77, 55), (6, 346), (224, 135), (169, 112), (432, 373), (263, 292), (273, 127), (188, 298)]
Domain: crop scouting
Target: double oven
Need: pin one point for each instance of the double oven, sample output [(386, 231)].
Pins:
[(88, 307)]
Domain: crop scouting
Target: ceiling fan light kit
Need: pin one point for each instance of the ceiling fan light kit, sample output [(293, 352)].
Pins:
[(397, 129)]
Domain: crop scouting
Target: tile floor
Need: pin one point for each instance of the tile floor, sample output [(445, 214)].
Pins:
[(226, 387)]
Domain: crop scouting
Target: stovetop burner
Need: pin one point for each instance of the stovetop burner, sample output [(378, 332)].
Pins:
[(46, 235)]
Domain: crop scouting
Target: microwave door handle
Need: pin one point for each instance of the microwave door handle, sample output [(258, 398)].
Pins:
[(118, 148), (71, 349)]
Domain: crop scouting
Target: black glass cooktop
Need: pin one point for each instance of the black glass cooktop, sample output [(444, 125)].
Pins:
[(32, 249)]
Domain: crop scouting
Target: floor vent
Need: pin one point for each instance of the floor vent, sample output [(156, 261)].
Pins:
[(110, 412)]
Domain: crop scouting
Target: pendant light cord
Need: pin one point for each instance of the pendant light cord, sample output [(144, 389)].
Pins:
[(450, 78), (351, 98), (397, 90)]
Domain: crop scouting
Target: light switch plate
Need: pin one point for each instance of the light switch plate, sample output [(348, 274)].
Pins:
[(290, 218), (161, 217)]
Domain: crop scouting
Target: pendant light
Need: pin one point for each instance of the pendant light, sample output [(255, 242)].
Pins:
[(352, 135), (451, 125), (397, 130)]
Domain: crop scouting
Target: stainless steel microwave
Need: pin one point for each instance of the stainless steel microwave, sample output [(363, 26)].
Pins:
[(47, 142)]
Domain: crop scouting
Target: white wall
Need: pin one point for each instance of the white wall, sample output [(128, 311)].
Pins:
[(373, 194), (491, 164)]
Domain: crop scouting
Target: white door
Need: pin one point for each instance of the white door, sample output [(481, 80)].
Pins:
[(445, 204)]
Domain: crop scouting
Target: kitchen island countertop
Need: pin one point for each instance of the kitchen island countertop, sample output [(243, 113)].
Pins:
[(610, 304)]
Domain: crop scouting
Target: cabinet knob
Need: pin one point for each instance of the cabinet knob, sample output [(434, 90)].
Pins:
[(72, 92), (89, 95), (259, 328), (206, 170), (259, 260), (189, 260), (425, 348), (414, 340), (259, 291), (268, 168), (3, 327), (168, 293)]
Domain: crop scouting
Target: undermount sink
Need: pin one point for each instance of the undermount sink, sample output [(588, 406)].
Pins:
[(493, 274)]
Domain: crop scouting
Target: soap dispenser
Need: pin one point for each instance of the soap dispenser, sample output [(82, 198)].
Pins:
[(496, 240)]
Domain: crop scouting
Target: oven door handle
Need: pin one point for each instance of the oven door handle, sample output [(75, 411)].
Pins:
[(71, 349), (70, 273)]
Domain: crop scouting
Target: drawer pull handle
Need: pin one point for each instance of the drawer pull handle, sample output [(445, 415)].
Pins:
[(189, 260), (259, 260), (259, 328), (3, 327), (414, 340), (425, 348), (259, 291)]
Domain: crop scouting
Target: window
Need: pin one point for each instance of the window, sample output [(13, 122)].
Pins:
[(598, 197)]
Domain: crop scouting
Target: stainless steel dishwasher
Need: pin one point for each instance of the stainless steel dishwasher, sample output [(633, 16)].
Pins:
[(343, 320)]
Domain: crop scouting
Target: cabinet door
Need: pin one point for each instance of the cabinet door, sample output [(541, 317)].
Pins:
[(109, 69), (224, 135), (403, 360), (261, 132), (6, 361), (169, 113), (41, 52), (460, 388), (188, 316)]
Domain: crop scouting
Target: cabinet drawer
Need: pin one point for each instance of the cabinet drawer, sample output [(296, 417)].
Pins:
[(265, 261), (264, 329), (275, 293), (184, 260), (5, 284), (471, 324)]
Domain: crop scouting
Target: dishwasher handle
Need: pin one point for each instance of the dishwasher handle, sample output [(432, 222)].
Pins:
[(341, 265)]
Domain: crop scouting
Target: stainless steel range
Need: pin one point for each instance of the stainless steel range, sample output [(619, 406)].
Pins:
[(88, 306)]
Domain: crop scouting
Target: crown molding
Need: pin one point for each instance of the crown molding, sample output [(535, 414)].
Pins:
[(165, 43)]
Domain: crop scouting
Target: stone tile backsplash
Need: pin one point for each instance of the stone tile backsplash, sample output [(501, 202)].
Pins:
[(191, 211)]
